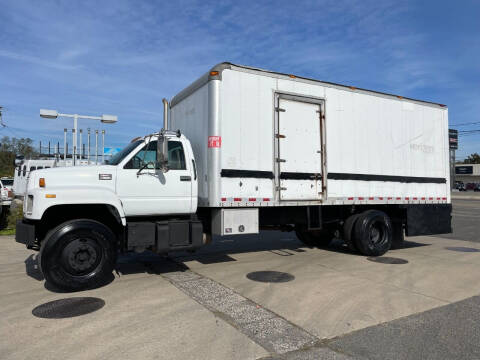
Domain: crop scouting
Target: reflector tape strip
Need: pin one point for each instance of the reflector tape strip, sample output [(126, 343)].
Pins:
[(239, 199), (328, 201)]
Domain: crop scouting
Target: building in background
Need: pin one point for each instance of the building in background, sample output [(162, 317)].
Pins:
[(467, 173)]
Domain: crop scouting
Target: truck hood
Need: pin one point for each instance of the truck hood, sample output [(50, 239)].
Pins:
[(75, 176)]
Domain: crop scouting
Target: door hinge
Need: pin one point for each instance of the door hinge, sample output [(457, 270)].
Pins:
[(279, 109), (279, 188), (278, 136), (280, 160), (321, 114)]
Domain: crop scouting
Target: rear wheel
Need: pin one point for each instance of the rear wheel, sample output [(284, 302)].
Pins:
[(314, 238), (78, 255), (373, 233)]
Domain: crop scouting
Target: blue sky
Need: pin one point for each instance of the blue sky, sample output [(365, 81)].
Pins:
[(122, 57)]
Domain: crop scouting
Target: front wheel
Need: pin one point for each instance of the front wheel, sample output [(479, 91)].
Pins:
[(78, 255)]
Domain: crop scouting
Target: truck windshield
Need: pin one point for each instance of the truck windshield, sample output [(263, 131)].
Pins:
[(118, 157)]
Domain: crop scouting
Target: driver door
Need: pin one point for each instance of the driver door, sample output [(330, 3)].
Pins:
[(151, 191)]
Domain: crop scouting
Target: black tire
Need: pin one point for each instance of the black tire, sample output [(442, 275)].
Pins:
[(78, 255), (348, 235), (314, 238), (373, 233)]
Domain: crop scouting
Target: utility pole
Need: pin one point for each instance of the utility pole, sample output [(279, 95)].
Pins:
[(96, 147), (88, 147)]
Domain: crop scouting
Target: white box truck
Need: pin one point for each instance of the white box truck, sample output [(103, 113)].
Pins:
[(254, 150)]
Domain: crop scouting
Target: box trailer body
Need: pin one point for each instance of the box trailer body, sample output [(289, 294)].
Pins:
[(266, 139)]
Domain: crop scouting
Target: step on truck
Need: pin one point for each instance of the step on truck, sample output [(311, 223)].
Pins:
[(242, 150)]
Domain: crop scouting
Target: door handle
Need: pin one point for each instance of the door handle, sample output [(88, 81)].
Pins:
[(185, 178)]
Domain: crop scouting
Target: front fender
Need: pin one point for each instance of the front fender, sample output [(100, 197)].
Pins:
[(84, 195)]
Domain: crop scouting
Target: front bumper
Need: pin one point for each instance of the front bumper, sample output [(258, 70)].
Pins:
[(25, 233)]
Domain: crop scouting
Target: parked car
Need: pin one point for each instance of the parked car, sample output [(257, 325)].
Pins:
[(460, 186), (477, 187), (470, 186), (6, 193)]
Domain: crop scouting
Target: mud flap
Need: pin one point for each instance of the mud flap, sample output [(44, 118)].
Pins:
[(429, 219)]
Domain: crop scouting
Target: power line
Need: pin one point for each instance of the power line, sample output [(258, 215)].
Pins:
[(465, 132), (465, 124)]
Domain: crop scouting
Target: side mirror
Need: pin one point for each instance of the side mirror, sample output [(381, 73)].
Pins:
[(162, 152)]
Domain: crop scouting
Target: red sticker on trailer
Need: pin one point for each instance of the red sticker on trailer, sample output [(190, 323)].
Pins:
[(214, 141)]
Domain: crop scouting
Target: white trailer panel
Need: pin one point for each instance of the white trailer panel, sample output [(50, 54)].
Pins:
[(370, 148)]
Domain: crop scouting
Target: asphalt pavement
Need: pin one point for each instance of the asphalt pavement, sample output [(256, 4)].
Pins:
[(466, 217)]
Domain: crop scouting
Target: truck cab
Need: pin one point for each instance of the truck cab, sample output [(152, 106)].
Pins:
[(145, 197)]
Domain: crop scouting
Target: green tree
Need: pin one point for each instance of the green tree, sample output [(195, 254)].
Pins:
[(12, 147), (472, 159)]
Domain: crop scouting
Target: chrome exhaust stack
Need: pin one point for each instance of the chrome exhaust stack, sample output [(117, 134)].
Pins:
[(165, 114), (162, 143)]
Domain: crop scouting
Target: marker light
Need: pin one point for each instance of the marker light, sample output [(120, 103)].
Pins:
[(41, 182), (213, 73), (50, 196)]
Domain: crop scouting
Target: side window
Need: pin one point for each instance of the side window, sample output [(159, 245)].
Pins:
[(176, 156), (47, 167), (24, 170), (33, 168), (19, 171), (40, 167), (144, 156)]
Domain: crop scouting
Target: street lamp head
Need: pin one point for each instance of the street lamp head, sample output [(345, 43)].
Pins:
[(109, 119), (48, 114)]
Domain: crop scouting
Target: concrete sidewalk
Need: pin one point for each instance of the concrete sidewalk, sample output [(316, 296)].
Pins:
[(335, 292), (144, 317), (206, 306)]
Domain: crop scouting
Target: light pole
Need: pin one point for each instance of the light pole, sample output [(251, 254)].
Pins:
[(103, 146), (53, 114)]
